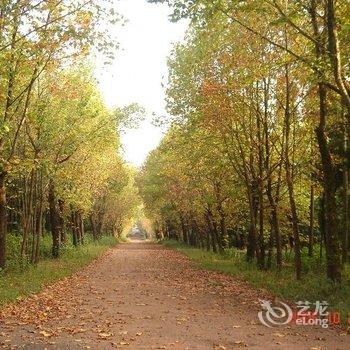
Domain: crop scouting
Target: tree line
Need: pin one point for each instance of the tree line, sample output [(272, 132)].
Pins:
[(60, 167), (257, 154)]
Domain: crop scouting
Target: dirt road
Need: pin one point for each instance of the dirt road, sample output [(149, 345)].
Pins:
[(143, 296)]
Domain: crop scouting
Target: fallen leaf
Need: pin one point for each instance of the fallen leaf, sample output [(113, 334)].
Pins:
[(124, 343), (45, 334), (279, 335), (240, 343), (104, 335), (220, 347)]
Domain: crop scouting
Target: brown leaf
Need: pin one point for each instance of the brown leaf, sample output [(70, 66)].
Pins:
[(104, 335), (46, 334), (279, 335)]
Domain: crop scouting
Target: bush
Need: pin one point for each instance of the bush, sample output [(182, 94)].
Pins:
[(18, 281)]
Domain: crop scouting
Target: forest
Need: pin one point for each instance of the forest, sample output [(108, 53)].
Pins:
[(61, 172), (257, 155)]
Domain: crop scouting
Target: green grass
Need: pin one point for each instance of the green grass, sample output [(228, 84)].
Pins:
[(18, 281), (313, 286)]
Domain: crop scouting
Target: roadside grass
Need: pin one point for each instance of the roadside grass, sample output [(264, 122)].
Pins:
[(20, 280), (313, 286)]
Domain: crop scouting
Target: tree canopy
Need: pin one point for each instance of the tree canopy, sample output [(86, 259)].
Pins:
[(60, 161), (257, 156)]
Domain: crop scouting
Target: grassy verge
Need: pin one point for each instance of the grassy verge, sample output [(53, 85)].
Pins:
[(16, 283), (313, 286)]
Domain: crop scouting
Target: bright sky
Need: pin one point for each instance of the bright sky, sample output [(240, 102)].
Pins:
[(139, 69)]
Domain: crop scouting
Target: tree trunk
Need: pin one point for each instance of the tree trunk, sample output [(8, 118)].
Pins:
[(184, 229), (3, 220), (261, 238), (38, 229), (252, 242), (212, 229), (276, 232), (93, 227), (77, 227), (81, 227), (312, 216), (345, 233), (289, 180), (270, 246), (332, 245), (100, 222), (62, 221), (34, 217), (54, 220), (274, 221), (260, 181), (297, 255), (322, 224), (27, 211), (223, 236), (329, 175), (74, 228)]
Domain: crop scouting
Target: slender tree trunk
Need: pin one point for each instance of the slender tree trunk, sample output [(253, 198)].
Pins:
[(312, 215), (187, 230), (331, 239), (311, 235), (208, 241), (3, 220), (62, 221), (81, 227), (274, 221), (27, 211), (252, 242), (100, 222), (260, 187), (216, 235), (261, 239), (215, 232), (223, 231), (223, 237), (74, 228), (196, 233), (276, 231), (184, 229), (54, 220), (212, 229), (289, 180), (297, 255), (77, 227), (331, 235), (345, 233), (322, 224), (93, 227), (270, 246), (39, 226), (34, 217), (24, 216)]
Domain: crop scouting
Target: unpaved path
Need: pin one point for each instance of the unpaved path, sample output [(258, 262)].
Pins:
[(143, 296)]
